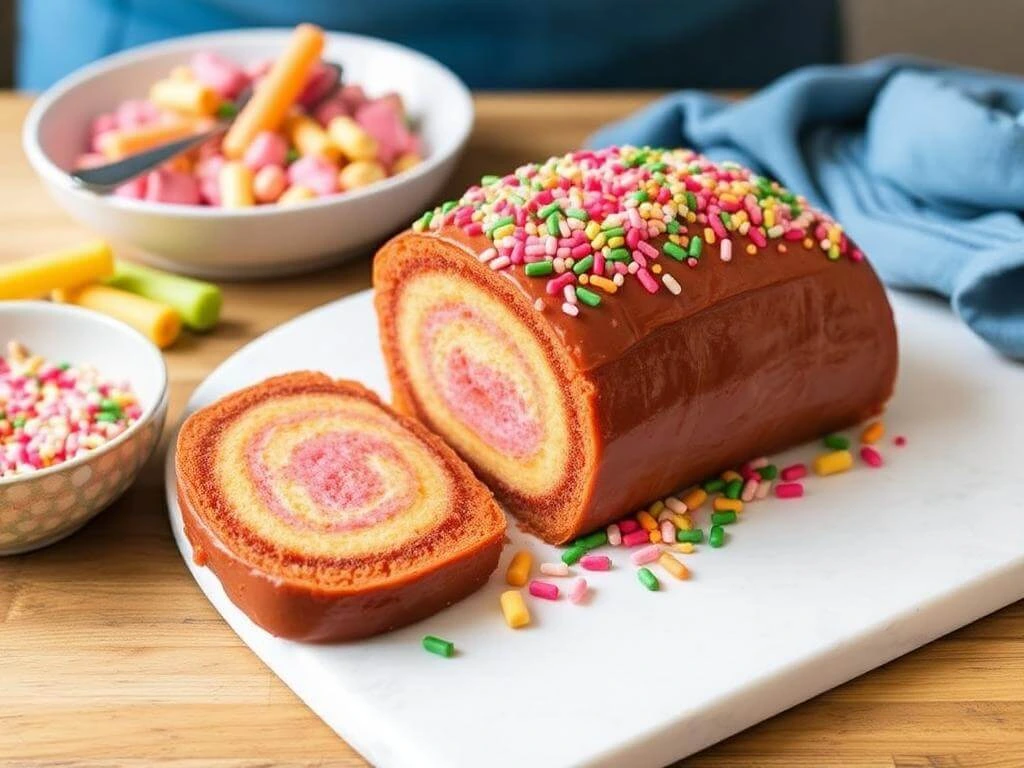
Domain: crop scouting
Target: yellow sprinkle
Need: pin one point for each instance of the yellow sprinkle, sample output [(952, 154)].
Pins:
[(691, 217), (616, 242), (599, 241), (584, 279), (512, 605), (682, 522), (656, 269), (684, 546), (655, 536), (603, 283), (722, 504), (730, 475), (505, 231), (592, 230), (832, 463), (751, 249), (694, 498), (518, 572), (673, 566), (709, 235), (647, 522), (769, 217), (873, 432), (656, 507)]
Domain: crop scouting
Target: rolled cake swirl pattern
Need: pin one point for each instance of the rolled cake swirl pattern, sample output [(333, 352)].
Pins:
[(316, 489), (597, 330)]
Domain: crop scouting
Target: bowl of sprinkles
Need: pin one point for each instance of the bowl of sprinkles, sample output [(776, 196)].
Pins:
[(83, 399)]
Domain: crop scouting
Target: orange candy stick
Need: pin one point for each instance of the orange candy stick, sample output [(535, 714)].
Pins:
[(117, 144), (277, 92)]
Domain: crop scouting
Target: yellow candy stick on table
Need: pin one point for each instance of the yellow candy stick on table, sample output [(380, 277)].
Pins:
[(277, 92), (159, 322), (68, 268)]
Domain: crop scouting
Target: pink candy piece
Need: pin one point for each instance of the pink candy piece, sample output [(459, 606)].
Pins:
[(167, 186), (668, 531), (330, 109), (353, 96), (319, 81), (614, 535), (794, 472), (628, 525), (136, 113), (749, 489), (544, 589), (268, 183), (134, 189), (90, 160), (223, 76), (315, 172), (870, 456), (899, 441), (646, 555), (596, 562), (636, 538), (102, 124), (578, 591), (258, 68), (267, 148), (386, 123), (789, 490)]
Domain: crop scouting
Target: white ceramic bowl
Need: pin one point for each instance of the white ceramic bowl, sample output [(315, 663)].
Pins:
[(265, 240), (41, 507)]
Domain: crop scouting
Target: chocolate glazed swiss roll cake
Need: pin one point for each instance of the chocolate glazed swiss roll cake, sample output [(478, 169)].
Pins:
[(325, 515), (601, 329)]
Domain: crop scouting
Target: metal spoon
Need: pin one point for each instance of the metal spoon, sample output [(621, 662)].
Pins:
[(105, 178)]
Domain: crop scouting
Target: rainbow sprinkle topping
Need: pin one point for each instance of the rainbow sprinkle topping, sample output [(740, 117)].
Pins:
[(588, 221)]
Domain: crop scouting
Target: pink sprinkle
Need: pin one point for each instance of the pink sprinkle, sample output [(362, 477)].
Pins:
[(581, 250), (717, 228), (544, 589), (636, 538), (870, 456), (647, 281), (749, 489), (763, 489), (668, 531), (759, 462), (556, 284), (596, 562), (757, 237), (789, 490), (899, 441), (646, 555), (628, 525), (578, 591), (794, 472), (614, 535), (647, 249), (726, 253)]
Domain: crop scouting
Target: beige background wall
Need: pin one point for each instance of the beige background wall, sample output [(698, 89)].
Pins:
[(980, 33)]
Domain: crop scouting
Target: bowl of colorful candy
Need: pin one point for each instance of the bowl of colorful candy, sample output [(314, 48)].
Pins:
[(302, 166), (83, 399)]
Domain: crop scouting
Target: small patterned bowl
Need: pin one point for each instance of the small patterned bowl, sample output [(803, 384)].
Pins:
[(39, 508)]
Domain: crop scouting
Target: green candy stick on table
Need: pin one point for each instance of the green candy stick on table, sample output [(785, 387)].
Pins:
[(197, 302)]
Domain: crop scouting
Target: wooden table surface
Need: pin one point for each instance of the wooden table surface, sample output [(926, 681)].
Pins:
[(110, 654)]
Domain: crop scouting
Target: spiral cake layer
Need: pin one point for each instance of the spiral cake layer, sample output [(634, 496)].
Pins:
[(325, 515), (595, 331)]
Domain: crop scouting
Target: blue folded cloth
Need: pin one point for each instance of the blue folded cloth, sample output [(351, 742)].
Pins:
[(921, 163)]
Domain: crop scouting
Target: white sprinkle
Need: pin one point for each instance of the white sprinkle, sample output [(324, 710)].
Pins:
[(539, 305), (569, 292), (559, 265), (500, 263), (554, 569), (570, 309), (633, 268), (487, 255), (672, 284), (675, 505), (618, 279), (726, 251)]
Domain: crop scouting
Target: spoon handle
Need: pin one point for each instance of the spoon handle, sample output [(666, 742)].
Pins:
[(104, 178)]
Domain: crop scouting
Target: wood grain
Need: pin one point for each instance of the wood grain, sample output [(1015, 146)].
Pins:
[(111, 656)]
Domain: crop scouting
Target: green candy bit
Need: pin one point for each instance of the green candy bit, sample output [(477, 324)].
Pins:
[(614, 232), (722, 518), (291, 156), (672, 227), (837, 442), (488, 179), (618, 254), (717, 536), (795, 210), (547, 210), (19, 422), (226, 111), (714, 486), (539, 268), (593, 541), (696, 244), (428, 217), (438, 646), (726, 219), (109, 405), (648, 579), (583, 265), (769, 472), (641, 196), (105, 416), (733, 489), (833, 253), (695, 536), (516, 199), (504, 221), (552, 224), (448, 205), (587, 296), (655, 167), (676, 252), (786, 196), (691, 200), (578, 213), (64, 365), (572, 555)]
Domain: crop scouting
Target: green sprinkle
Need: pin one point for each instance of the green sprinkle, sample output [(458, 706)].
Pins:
[(102, 416), (572, 555), (109, 405), (672, 227), (676, 252), (696, 536), (593, 541), (691, 200), (795, 210), (726, 219), (19, 421), (587, 296), (714, 486), (618, 254), (448, 206), (655, 167), (722, 518), (614, 232), (64, 366), (577, 213), (583, 264), (717, 536), (547, 210), (552, 223), (695, 247), (488, 179), (226, 110), (769, 472), (733, 489), (648, 579), (786, 196), (539, 268), (837, 442), (291, 155), (438, 646), (427, 218), (833, 253), (504, 221), (516, 198), (640, 196)]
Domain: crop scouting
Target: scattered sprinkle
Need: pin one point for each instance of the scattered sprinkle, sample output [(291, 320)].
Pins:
[(438, 646)]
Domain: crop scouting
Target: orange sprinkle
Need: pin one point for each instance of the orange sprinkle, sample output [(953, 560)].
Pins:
[(603, 283), (751, 249), (694, 498), (722, 504), (873, 432)]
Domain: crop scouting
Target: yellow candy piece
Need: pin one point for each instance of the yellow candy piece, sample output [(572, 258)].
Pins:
[(685, 547), (694, 498), (159, 322), (832, 463), (69, 268), (187, 96), (518, 572), (730, 475), (405, 162), (362, 173), (296, 194), (514, 609), (673, 566), (235, 181), (309, 138), (655, 536), (351, 139), (646, 520), (722, 504)]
